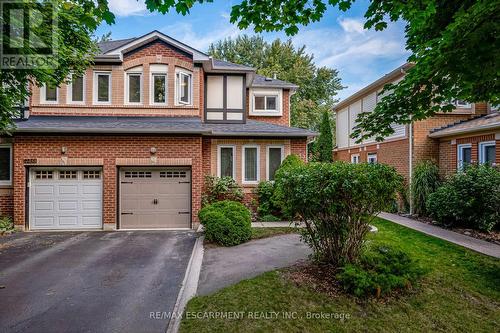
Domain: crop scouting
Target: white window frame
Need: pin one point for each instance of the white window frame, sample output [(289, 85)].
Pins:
[(178, 74), (267, 158), (43, 95), (355, 157), (462, 106), (219, 147), (8, 182), (482, 146), (371, 155), (127, 87), (151, 88), (460, 153), (278, 93), (70, 90), (243, 163), (96, 74)]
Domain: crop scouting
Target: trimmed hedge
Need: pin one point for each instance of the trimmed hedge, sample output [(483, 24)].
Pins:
[(227, 223)]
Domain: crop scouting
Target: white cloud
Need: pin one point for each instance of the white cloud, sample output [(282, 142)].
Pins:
[(185, 33), (127, 7), (352, 25)]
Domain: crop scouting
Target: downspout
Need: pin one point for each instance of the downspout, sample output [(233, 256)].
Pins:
[(410, 164)]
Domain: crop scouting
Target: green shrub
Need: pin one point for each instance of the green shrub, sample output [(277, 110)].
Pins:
[(6, 223), (469, 198), (425, 181), (290, 163), (270, 218), (379, 271), (336, 202), (219, 189), (266, 199), (226, 222)]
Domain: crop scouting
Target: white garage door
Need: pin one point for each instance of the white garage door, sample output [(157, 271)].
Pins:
[(65, 199)]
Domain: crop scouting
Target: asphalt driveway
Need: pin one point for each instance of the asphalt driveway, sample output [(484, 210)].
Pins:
[(91, 281)]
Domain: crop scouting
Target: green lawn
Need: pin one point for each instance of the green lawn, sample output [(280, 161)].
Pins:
[(460, 293)]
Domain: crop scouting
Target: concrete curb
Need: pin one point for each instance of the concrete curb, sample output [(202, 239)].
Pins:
[(189, 285)]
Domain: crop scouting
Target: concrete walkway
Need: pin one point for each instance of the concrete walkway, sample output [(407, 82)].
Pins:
[(472, 243), (279, 224), (224, 266)]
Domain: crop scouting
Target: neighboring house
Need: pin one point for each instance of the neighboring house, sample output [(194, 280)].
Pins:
[(470, 133), (128, 144)]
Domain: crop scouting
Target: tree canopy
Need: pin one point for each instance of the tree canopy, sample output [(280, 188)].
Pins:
[(318, 86)]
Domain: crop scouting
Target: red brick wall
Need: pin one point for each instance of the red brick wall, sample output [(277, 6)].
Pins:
[(108, 148), (299, 147), (156, 48), (394, 153), (6, 203), (448, 151)]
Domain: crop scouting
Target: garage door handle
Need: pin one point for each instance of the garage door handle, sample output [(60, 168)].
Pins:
[(184, 182), (127, 182), (183, 212), (127, 213)]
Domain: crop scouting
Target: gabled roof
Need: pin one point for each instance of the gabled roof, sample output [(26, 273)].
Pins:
[(126, 45), (487, 122), (380, 82), (222, 64), (109, 45), (152, 125)]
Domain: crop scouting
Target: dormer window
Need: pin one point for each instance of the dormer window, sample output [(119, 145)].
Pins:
[(184, 87), (266, 102), (102, 88), (49, 94), (133, 92)]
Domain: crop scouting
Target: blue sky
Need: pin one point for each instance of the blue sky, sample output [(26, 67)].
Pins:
[(337, 41)]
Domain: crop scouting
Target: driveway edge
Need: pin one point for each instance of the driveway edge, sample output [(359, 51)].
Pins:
[(189, 285)]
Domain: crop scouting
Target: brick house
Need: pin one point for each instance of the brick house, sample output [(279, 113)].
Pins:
[(127, 146), (470, 133)]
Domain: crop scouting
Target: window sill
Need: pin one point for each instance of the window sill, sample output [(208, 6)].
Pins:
[(265, 114)]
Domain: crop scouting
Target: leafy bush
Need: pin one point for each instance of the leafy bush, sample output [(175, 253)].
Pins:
[(219, 189), (266, 199), (6, 223), (270, 218), (290, 163), (337, 201), (425, 181), (379, 271), (468, 198), (226, 222)]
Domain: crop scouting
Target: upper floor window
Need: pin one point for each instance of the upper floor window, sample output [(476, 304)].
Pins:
[(133, 92), (458, 103), (102, 87), (5, 164), (464, 155), (251, 164), (226, 166), (355, 158), (49, 94), (487, 153), (372, 158), (184, 89), (275, 156), (266, 102), (76, 89)]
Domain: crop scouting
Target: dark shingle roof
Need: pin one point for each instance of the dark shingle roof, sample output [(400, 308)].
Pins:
[(157, 125), (262, 81), (229, 65), (113, 44), (489, 121)]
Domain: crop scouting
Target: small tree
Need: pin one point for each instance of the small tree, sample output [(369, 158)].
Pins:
[(337, 202), (324, 145)]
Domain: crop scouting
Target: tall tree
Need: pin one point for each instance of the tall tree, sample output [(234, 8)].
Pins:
[(323, 146), (317, 86)]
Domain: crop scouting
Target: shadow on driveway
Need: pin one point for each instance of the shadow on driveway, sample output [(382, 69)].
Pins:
[(91, 281)]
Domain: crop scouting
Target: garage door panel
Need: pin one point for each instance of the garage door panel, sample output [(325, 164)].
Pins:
[(60, 202), (160, 201)]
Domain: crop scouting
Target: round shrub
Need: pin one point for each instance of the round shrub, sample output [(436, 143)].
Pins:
[(226, 223), (470, 198), (380, 270)]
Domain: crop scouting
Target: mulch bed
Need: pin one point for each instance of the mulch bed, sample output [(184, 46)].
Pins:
[(492, 236), (320, 278)]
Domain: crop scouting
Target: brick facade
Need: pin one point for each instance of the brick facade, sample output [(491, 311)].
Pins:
[(6, 202)]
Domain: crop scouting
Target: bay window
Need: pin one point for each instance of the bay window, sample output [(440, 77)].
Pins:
[(134, 88), (158, 88)]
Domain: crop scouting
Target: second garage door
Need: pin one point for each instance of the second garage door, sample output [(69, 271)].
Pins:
[(158, 198)]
